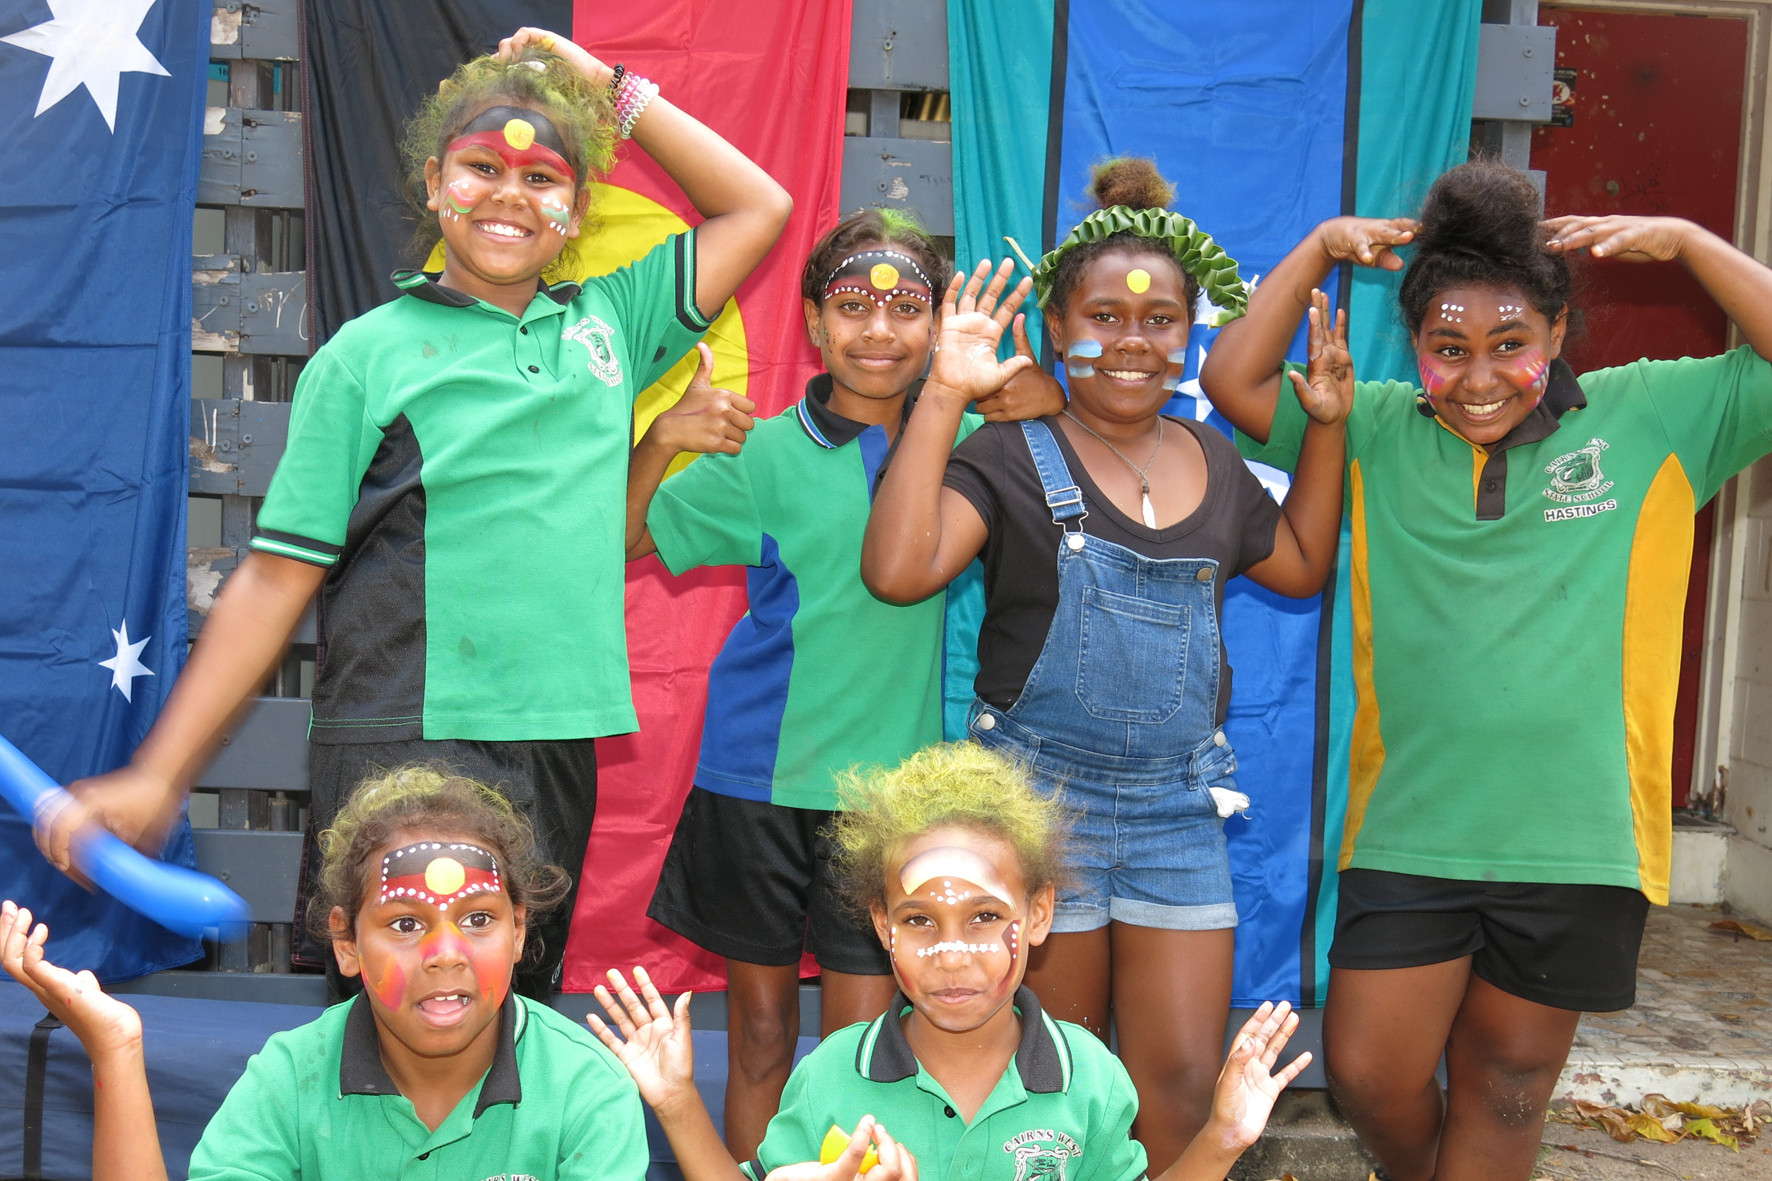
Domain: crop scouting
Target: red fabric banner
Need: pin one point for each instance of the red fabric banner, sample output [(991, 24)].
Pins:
[(771, 77)]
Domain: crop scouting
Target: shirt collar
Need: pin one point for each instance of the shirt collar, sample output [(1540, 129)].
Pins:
[(1562, 393), (424, 285), (1042, 1059), (360, 1069), (825, 426)]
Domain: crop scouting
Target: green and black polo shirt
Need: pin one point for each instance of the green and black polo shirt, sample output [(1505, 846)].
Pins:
[(1517, 616), (462, 472), (317, 1102), (1061, 1112)]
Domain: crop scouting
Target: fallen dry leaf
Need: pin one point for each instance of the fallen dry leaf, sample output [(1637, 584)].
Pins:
[(1737, 927)]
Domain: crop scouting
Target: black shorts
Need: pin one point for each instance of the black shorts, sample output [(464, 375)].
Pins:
[(754, 882), (554, 783), (1566, 946)]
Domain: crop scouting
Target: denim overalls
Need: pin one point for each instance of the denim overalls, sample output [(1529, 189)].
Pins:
[(1118, 715)]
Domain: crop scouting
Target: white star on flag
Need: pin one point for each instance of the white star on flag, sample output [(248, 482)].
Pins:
[(89, 43), (126, 665)]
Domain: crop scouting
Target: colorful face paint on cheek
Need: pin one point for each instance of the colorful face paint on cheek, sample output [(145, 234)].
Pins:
[(1176, 357), (1079, 359), (1528, 369), (459, 199), (1433, 375), (389, 985), (559, 214)]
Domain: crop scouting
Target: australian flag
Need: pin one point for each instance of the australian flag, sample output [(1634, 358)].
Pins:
[(101, 105)]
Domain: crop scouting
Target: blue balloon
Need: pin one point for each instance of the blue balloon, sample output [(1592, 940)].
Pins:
[(177, 898)]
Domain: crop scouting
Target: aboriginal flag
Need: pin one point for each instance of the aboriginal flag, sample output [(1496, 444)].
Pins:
[(769, 76), (1269, 116)]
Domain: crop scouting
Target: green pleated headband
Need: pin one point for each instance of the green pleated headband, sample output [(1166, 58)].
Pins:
[(1213, 269)]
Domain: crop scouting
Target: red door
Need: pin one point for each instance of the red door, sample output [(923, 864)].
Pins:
[(1656, 105)]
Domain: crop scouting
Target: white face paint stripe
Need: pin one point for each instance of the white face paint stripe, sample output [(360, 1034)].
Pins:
[(956, 945), (950, 863)]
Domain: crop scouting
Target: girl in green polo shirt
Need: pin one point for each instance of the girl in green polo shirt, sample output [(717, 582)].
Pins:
[(427, 890), (1520, 549), (453, 482), (954, 855)]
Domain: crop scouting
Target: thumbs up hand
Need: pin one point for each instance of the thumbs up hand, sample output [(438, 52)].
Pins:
[(706, 419)]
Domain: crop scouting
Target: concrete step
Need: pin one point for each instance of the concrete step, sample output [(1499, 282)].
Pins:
[(1307, 1138)]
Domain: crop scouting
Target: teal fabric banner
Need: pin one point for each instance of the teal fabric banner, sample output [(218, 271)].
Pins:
[(1000, 79)]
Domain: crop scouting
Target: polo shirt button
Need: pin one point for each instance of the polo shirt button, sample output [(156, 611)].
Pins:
[(424, 1156), (948, 1111), (1488, 485), (535, 369), (524, 329), (986, 722), (1218, 738), (1204, 574)]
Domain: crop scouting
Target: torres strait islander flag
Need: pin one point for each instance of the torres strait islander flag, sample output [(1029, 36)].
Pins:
[(770, 76), (1269, 116)]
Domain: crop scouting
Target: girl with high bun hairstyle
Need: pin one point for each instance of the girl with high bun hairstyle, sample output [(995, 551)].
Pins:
[(1107, 533), (1521, 541), (452, 489)]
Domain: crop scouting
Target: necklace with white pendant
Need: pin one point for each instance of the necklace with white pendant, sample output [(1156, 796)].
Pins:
[(1144, 484)]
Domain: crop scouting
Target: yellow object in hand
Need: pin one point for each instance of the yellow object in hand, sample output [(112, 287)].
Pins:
[(835, 1141)]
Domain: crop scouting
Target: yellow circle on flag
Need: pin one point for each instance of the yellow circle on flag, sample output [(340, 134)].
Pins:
[(444, 876), (884, 277), (1138, 280), (519, 133)]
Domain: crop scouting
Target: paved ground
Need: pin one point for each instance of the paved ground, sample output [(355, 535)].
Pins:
[(1602, 1158)]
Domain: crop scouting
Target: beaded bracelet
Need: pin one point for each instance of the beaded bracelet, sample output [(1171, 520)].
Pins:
[(632, 96)]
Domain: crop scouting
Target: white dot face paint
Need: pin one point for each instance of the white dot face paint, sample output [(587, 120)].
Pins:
[(1510, 311), (956, 945), (1451, 313)]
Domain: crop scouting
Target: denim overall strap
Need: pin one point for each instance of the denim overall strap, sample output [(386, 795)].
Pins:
[(1064, 497)]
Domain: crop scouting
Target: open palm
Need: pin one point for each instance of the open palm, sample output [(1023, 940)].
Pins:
[(1326, 389), (1248, 1084), (101, 1022), (655, 1043), (974, 314)]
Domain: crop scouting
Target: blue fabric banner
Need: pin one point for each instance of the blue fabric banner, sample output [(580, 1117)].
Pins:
[(101, 105)]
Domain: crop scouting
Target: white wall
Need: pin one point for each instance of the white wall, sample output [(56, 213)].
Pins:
[(1748, 805)]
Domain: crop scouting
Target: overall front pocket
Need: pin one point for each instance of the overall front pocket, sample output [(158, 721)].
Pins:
[(1132, 666)]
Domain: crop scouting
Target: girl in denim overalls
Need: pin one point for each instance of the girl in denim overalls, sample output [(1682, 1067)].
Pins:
[(1106, 675)]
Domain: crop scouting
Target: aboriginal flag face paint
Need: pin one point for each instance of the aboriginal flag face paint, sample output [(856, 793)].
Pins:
[(438, 874), (882, 276), (521, 137)]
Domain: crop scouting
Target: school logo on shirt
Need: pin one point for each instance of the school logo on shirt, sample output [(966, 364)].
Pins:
[(1041, 1154), (1576, 477), (599, 340)]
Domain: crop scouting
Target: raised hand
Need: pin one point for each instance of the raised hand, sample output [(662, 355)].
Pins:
[(103, 1024), (1031, 393), (974, 313), (1248, 1085), (706, 418), (1635, 239), (511, 49), (1369, 241), (655, 1043), (1326, 389), (895, 1164)]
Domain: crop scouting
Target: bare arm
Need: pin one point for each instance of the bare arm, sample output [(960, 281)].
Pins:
[(745, 210), (125, 1138), (1244, 1097), (241, 642), (1741, 285), (920, 535), (1309, 532), (704, 420), (1241, 374)]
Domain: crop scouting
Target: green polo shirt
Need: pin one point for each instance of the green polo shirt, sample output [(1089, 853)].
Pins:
[(1517, 618), (1061, 1112), (317, 1102), (462, 473), (818, 675)]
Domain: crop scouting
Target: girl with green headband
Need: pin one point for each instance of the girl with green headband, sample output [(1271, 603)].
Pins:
[(1107, 534)]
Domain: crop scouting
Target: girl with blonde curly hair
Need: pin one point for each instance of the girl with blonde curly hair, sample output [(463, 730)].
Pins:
[(454, 483)]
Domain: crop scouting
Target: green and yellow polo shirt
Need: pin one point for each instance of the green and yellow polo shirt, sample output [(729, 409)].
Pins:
[(1517, 616), (462, 473), (317, 1102), (819, 675), (1061, 1112)]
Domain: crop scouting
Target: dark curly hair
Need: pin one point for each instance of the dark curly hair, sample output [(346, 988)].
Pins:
[(542, 82), (1480, 228), (414, 800), (1132, 181), (873, 227)]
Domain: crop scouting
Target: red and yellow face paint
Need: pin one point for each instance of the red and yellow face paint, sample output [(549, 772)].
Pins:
[(882, 277), (521, 137), (442, 875)]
